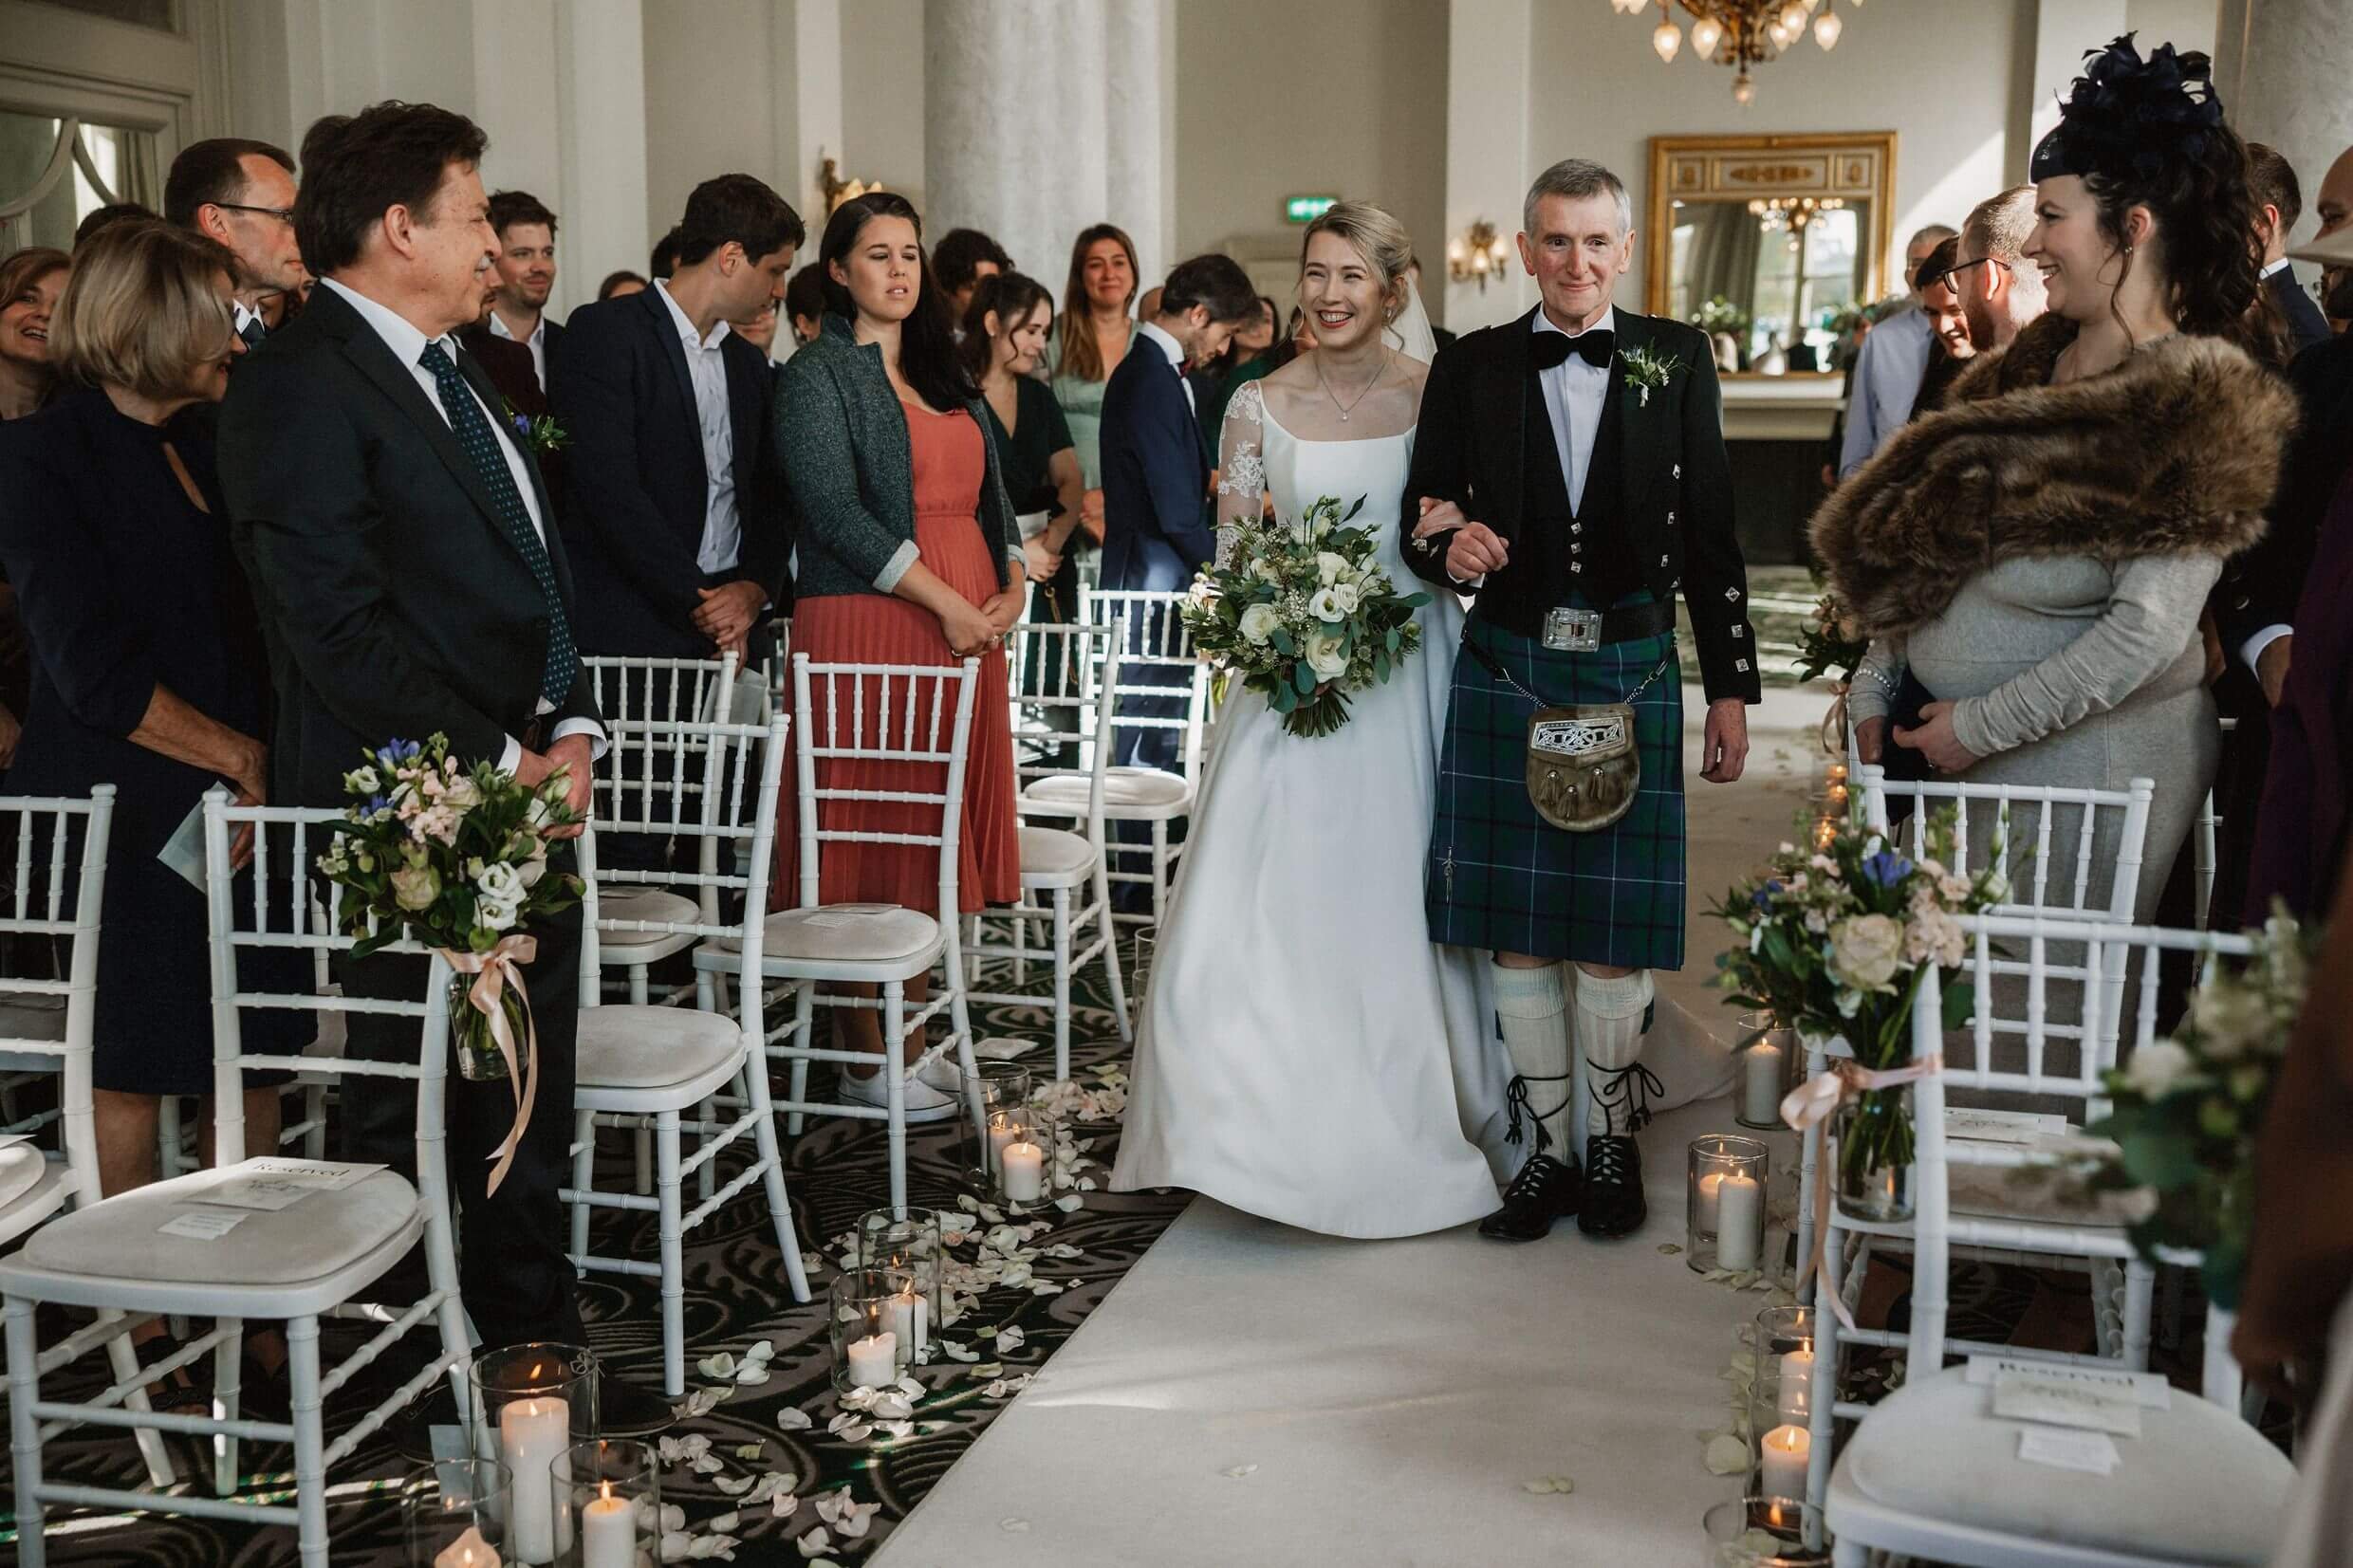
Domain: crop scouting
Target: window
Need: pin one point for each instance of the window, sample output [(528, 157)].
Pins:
[(54, 171)]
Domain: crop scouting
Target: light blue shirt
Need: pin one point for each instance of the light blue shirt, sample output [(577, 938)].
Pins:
[(1888, 373)]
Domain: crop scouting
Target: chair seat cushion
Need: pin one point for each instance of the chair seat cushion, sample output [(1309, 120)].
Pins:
[(622, 947), (325, 1232), (624, 1047), (845, 933), (1125, 789), (21, 1165), (1053, 858), (34, 1187), (2198, 1484)]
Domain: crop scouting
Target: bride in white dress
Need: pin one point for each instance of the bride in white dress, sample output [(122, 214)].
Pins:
[(1306, 1054)]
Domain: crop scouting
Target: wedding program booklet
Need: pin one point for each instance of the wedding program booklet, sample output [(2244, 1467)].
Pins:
[(272, 1183)]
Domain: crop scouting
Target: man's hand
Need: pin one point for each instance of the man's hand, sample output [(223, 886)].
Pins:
[(1871, 739), (727, 613), (1936, 740), (1724, 742), (576, 754), (2271, 669), (1472, 551), (1041, 558)]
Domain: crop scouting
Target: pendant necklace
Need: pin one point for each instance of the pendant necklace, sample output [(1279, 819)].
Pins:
[(1383, 369)]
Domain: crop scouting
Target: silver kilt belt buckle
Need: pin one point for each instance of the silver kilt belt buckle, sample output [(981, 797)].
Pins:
[(1568, 631)]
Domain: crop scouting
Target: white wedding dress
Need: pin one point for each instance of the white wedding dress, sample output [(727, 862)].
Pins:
[(1306, 1054)]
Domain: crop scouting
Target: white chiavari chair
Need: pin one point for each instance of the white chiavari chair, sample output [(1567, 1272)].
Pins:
[(2067, 854), (1058, 864), (1929, 1472), (49, 1019), (1160, 671), (293, 1265), (917, 716), (662, 1066)]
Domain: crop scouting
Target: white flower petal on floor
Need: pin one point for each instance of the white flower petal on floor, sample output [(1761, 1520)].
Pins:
[(792, 1420), (1013, 1527), (1012, 1338), (816, 1544), (1238, 1473), (1728, 1455)]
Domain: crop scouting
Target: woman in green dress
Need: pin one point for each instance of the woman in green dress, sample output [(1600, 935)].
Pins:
[(1097, 325)]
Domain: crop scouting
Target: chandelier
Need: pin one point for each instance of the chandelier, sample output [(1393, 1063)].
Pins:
[(1741, 33), (1792, 216)]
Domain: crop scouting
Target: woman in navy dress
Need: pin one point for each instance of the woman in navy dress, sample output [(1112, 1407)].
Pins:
[(148, 671)]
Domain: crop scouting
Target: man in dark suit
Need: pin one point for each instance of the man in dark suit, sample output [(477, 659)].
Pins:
[(2279, 202), (241, 193), (678, 514), (1569, 470), (403, 559), (1156, 464), (526, 273)]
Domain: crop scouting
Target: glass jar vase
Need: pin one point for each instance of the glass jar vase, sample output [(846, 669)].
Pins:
[(1874, 1167)]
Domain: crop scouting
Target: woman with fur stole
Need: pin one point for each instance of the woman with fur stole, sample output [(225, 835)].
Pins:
[(2039, 554)]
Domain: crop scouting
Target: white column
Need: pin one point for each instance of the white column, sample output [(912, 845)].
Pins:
[(601, 135), (1488, 163), (2282, 69), (810, 63), (2063, 29), (1042, 116)]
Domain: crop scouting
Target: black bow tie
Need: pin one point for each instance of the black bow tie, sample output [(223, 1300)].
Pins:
[(1552, 348)]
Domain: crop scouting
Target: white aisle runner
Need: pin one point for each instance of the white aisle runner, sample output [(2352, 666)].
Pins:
[(1389, 1400)]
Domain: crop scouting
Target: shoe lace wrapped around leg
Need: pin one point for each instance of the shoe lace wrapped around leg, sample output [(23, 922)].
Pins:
[(1517, 1103), (1629, 1088)]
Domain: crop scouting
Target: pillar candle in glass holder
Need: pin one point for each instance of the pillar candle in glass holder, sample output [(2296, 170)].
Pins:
[(1024, 1171), (1710, 1199), (470, 1551), (1786, 1449), (1739, 1222), (1002, 1131), (608, 1532), (908, 1317), (1797, 1383), (531, 1433), (874, 1360), (1760, 1084)]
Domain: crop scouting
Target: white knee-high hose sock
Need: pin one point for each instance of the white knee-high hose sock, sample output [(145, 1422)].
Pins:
[(1532, 1007), (1609, 1031)]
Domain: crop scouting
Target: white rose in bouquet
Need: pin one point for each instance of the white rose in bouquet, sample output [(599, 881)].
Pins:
[(1865, 950), (1264, 570), (1329, 567), (1258, 623), (1345, 595), (497, 914), (2229, 1018), (1327, 655), (2157, 1067), (499, 883), (1324, 606)]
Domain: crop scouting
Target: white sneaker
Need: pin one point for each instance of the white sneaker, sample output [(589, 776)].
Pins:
[(943, 1075), (921, 1101)]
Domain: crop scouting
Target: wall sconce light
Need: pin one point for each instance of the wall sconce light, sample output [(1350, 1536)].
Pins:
[(1476, 254), (834, 188)]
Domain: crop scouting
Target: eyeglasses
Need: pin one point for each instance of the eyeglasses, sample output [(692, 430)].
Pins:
[(283, 214), (1958, 268)]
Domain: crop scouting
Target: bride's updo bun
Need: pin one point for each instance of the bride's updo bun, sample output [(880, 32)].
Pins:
[(1376, 234)]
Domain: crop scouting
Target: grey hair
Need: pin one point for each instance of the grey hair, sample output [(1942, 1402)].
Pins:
[(1577, 179), (1932, 233)]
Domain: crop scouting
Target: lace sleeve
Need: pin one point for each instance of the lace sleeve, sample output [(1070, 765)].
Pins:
[(1242, 466)]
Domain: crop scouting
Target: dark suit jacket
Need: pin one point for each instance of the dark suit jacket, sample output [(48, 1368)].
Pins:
[(2307, 324), (1675, 500), (635, 481), (2260, 585), (397, 602), (1156, 530)]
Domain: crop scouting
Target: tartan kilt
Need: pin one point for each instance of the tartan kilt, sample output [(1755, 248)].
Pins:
[(1500, 876)]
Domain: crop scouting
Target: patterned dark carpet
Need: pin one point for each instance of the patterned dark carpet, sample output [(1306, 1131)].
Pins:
[(736, 1296)]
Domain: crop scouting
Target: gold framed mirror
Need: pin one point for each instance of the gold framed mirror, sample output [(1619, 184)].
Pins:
[(1765, 241)]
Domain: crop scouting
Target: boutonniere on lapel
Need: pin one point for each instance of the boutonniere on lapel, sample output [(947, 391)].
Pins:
[(544, 434), (1647, 371)]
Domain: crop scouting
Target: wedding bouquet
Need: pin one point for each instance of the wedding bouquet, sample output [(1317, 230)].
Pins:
[(1830, 644), (458, 858), (1837, 942), (1305, 614), (2185, 1109)]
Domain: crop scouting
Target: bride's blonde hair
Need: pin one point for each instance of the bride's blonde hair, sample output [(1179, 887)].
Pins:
[(1376, 235)]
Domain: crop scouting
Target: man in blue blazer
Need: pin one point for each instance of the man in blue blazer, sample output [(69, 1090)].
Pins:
[(678, 516), (1156, 464)]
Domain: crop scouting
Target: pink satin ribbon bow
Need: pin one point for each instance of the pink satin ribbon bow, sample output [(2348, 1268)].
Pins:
[(1811, 1104), (494, 972)]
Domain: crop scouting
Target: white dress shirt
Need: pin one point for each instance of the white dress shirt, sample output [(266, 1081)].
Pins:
[(536, 342), (1888, 371), (243, 313), (1575, 394), (723, 528), (408, 346), (1174, 350)]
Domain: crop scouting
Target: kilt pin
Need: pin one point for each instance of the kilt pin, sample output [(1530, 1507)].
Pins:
[(1598, 459)]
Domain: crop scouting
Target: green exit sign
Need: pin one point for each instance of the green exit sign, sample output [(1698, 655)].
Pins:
[(1306, 208)]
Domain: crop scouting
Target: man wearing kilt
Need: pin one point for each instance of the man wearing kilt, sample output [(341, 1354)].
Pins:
[(1569, 470)]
